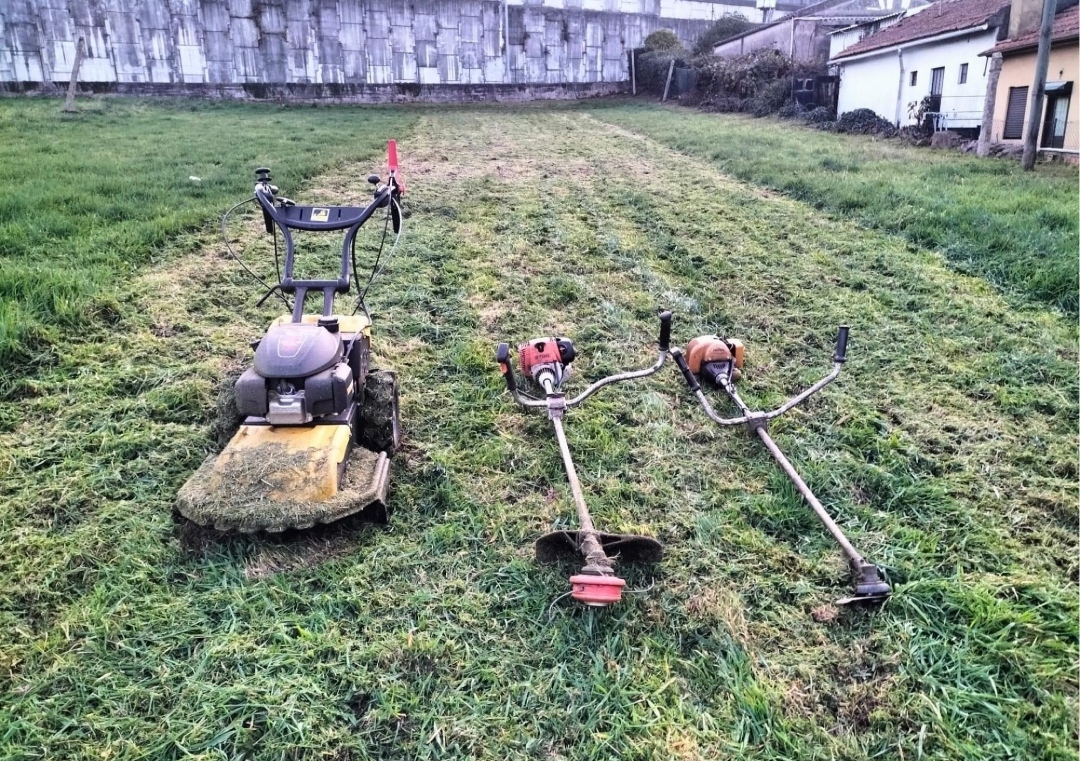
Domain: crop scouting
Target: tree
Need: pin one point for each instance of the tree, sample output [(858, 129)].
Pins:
[(663, 39), (725, 27)]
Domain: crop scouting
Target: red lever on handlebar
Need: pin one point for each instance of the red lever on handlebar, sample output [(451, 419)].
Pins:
[(391, 154)]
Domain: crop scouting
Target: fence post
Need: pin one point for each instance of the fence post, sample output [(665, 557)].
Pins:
[(69, 104), (670, 71), (989, 104)]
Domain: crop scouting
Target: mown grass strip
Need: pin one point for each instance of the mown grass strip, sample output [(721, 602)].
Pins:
[(88, 198), (1017, 229)]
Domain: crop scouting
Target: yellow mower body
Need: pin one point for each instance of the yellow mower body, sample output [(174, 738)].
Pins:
[(272, 478)]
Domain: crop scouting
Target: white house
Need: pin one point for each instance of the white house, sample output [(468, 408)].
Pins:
[(933, 54)]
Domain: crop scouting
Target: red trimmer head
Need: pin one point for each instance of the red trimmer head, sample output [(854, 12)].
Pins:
[(597, 591)]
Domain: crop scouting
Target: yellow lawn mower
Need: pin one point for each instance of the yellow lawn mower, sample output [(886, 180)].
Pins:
[(317, 424)]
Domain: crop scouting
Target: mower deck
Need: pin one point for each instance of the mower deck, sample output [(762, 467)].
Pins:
[(272, 478)]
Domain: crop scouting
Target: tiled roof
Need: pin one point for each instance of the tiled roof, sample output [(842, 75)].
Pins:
[(939, 18), (1066, 29)]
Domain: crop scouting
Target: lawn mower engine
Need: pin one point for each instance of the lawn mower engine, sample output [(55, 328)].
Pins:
[(301, 373)]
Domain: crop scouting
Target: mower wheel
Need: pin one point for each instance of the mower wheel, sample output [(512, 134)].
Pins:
[(228, 419), (380, 421)]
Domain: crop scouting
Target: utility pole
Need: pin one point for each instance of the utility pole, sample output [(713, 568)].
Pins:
[(1042, 63)]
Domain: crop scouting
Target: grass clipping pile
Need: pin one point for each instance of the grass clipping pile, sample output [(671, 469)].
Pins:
[(248, 490)]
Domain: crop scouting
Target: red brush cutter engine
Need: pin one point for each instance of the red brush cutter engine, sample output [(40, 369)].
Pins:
[(713, 358), (547, 358)]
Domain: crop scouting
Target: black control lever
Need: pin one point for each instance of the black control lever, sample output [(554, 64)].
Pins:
[(665, 330), (502, 356)]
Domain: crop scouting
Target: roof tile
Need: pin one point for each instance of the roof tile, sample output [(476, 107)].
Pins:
[(939, 18), (1066, 29)]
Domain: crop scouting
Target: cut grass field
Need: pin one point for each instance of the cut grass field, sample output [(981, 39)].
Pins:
[(947, 449), (988, 217), (87, 198)]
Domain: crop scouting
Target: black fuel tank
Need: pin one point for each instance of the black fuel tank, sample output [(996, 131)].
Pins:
[(297, 350)]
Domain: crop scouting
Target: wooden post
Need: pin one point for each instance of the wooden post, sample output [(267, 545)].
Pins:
[(1042, 63), (80, 49), (670, 71), (633, 72), (989, 103)]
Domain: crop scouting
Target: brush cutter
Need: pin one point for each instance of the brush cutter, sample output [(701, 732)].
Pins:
[(718, 362), (546, 361), (318, 423)]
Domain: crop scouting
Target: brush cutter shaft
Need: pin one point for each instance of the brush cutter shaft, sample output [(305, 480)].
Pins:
[(584, 520), (849, 550), (596, 560)]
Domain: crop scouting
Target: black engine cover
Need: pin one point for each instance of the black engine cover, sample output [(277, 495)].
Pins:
[(297, 350)]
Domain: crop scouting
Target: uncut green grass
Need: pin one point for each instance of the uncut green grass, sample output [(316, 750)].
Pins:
[(947, 450), (86, 198), (988, 217)]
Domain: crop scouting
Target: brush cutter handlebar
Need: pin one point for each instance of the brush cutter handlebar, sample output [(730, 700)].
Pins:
[(756, 419), (506, 366)]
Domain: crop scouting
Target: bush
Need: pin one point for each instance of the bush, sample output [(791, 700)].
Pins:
[(742, 76), (819, 115), (792, 110), (863, 121), (725, 27), (652, 69), (663, 39), (772, 97)]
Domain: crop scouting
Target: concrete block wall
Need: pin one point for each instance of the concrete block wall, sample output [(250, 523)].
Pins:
[(262, 47)]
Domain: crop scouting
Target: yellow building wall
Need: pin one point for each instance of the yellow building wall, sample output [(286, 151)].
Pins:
[(1019, 71)]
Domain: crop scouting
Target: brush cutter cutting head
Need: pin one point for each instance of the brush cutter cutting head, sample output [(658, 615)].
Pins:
[(596, 591), (562, 546)]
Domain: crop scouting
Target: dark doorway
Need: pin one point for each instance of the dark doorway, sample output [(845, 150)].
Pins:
[(937, 83), (1057, 111)]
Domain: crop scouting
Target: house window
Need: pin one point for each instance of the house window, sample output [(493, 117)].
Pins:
[(1014, 116), (914, 78), (963, 74)]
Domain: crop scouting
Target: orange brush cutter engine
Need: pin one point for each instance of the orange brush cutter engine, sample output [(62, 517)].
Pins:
[(712, 357), (548, 356)]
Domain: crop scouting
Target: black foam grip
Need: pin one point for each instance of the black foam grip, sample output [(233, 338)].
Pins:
[(502, 356), (841, 344), (665, 330), (684, 368)]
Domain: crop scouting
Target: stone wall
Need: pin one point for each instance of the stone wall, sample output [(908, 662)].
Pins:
[(346, 49)]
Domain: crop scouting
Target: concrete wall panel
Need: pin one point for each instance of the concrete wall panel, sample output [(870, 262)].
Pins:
[(358, 43)]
